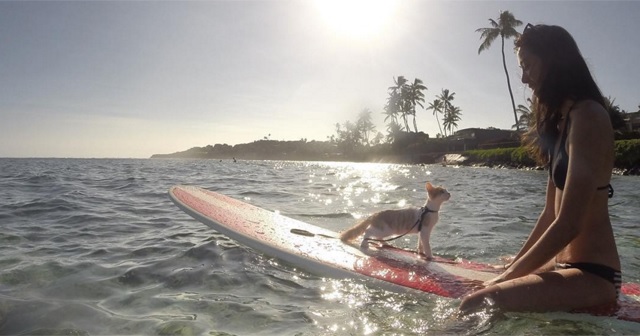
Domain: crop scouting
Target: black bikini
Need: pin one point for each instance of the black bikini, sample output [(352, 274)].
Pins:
[(612, 275), (559, 163)]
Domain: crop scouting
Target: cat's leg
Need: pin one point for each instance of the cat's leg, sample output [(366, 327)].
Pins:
[(427, 252), (367, 238), (365, 242), (372, 236), (424, 246)]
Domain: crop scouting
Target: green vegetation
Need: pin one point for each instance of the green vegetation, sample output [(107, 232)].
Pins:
[(401, 104), (402, 101), (512, 157), (627, 157), (628, 154)]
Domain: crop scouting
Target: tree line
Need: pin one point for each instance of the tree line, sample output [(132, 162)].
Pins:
[(399, 110)]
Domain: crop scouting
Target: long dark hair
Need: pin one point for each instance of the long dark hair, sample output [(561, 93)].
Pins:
[(566, 77)]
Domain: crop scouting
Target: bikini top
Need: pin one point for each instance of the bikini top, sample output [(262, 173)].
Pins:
[(559, 162)]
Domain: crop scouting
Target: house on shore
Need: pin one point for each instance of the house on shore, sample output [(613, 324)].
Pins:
[(479, 138), (633, 121)]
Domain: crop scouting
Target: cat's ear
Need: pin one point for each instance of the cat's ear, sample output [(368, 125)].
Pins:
[(429, 186)]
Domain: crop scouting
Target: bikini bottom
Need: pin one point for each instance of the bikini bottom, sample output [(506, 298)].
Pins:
[(605, 272)]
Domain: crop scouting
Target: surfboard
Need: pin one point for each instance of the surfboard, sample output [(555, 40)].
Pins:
[(321, 252)]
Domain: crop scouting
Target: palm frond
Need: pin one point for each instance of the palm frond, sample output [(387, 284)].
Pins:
[(488, 37)]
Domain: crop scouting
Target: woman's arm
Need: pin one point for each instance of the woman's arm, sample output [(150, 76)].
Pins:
[(544, 220)]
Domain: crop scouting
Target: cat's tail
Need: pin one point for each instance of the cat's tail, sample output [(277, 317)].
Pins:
[(354, 231)]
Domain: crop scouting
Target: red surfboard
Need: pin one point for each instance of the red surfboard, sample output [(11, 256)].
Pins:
[(319, 251)]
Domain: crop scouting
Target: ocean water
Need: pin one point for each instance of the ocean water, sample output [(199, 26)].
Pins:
[(95, 247)]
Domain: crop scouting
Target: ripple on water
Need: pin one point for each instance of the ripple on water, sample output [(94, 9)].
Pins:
[(35, 275)]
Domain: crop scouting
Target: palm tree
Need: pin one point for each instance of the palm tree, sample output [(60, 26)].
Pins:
[(436, 106), (526, 116), (505, 28), (446, 98), (451, 119), (393, 129), (377, 139), (397, 102), (390, 109), (348, 136), (615, 113), (400, 82), (415, 97), (393, 107), (365, 126)]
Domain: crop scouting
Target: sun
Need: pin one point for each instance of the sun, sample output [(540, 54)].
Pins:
[(356, 18)]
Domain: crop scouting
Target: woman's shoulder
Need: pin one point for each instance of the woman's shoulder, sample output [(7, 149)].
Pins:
[(589, 109), (591, 117)]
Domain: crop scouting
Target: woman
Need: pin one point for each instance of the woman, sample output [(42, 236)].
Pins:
[(570, 259)]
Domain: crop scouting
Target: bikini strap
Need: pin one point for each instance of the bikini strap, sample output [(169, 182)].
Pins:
[(609, 188)]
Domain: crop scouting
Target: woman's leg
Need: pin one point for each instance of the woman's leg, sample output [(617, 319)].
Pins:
[(560, 290)]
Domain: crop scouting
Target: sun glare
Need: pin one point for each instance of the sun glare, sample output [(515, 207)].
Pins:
[(356, 18)]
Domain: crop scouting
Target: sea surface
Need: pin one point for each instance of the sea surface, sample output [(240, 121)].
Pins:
[(95, 247)]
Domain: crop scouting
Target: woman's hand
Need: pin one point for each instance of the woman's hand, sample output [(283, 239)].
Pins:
[(506, 262), (508, 259), (500, 266), (512, 271), (500, 278), (506, 275)]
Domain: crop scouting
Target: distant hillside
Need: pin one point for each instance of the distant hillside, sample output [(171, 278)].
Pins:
[(262, 150)]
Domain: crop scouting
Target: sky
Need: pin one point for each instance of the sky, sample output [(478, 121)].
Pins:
[(129, 79)]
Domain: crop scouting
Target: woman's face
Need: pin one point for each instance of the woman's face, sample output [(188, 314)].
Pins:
[(531, 69)]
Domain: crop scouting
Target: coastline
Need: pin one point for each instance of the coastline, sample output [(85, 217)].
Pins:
[(627, 154)]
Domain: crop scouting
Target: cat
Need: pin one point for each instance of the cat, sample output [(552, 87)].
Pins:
[(402, 221)]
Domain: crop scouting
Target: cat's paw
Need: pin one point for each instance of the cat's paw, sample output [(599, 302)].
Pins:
[(426, 257)]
